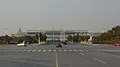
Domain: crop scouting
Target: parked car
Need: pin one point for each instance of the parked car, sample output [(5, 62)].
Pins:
[(116, 44)]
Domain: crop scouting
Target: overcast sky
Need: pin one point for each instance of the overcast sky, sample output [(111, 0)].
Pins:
[(93, 15)]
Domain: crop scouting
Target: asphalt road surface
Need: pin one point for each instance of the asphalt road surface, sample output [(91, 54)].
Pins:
[(67, 56)]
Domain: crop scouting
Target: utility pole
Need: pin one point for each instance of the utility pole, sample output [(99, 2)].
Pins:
[(5, 31), (39, 40), (64, 35), (53, 35)]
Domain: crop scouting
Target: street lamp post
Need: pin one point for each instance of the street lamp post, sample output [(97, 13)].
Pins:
[(39, 40)]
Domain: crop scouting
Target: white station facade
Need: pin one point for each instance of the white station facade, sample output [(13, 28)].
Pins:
[(58, 35)]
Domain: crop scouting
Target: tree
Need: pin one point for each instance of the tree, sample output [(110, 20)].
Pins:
[(28, 39), (81, 38), (76, 38), (42, 37), (86, 38), (70, 38), (111, 36), (5, 39)]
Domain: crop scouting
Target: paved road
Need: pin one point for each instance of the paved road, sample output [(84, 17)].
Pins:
[(68, 56)]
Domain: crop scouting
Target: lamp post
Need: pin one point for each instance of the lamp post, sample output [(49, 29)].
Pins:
[(5, 31), (53, 35), (39, 40)]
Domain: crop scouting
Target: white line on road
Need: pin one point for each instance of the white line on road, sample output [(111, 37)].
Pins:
[(44, 50), (33, 50), (39, 50), (54, 50), (56, 57), (75, 50), (99, 60), (49, 50), (82, 53), (60, 50), (65, 50), (23, 50), (29, 50)]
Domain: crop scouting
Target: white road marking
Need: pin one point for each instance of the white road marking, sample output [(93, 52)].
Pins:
[(99, 60), (23, 50), (54, 50), (49, 50), (56, 57), (44, 50), (29, 50), (75, 50), (33, 50), (60, 50), (65, 50), (39, 50), (82, 53)]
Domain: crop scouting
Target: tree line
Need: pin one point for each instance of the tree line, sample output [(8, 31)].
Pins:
[(28, 39), (109, 37), (78, 38)]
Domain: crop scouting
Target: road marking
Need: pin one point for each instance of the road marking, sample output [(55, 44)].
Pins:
[(99, 60), (44, 50), (82, 53), (54, 50), (75, 50), (29, 50), (65, 50), (39, 50), (60, 50), (56, 57), (49, 50), (33, 50), (23, 50)]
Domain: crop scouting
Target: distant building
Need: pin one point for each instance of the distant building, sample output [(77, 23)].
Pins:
[(19, 33), (55, 35), (58, 35)]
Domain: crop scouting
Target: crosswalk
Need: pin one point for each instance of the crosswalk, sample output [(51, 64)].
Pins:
[(45, 50)]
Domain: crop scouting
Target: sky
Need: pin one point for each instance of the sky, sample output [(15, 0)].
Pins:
[(92, 15)]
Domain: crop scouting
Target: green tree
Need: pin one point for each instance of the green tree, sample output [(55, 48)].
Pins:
[(43, 37), (111, 36), (76, 38), (5, 39), (70, 38)]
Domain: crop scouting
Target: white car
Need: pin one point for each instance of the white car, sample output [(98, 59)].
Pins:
[(21, 44)]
